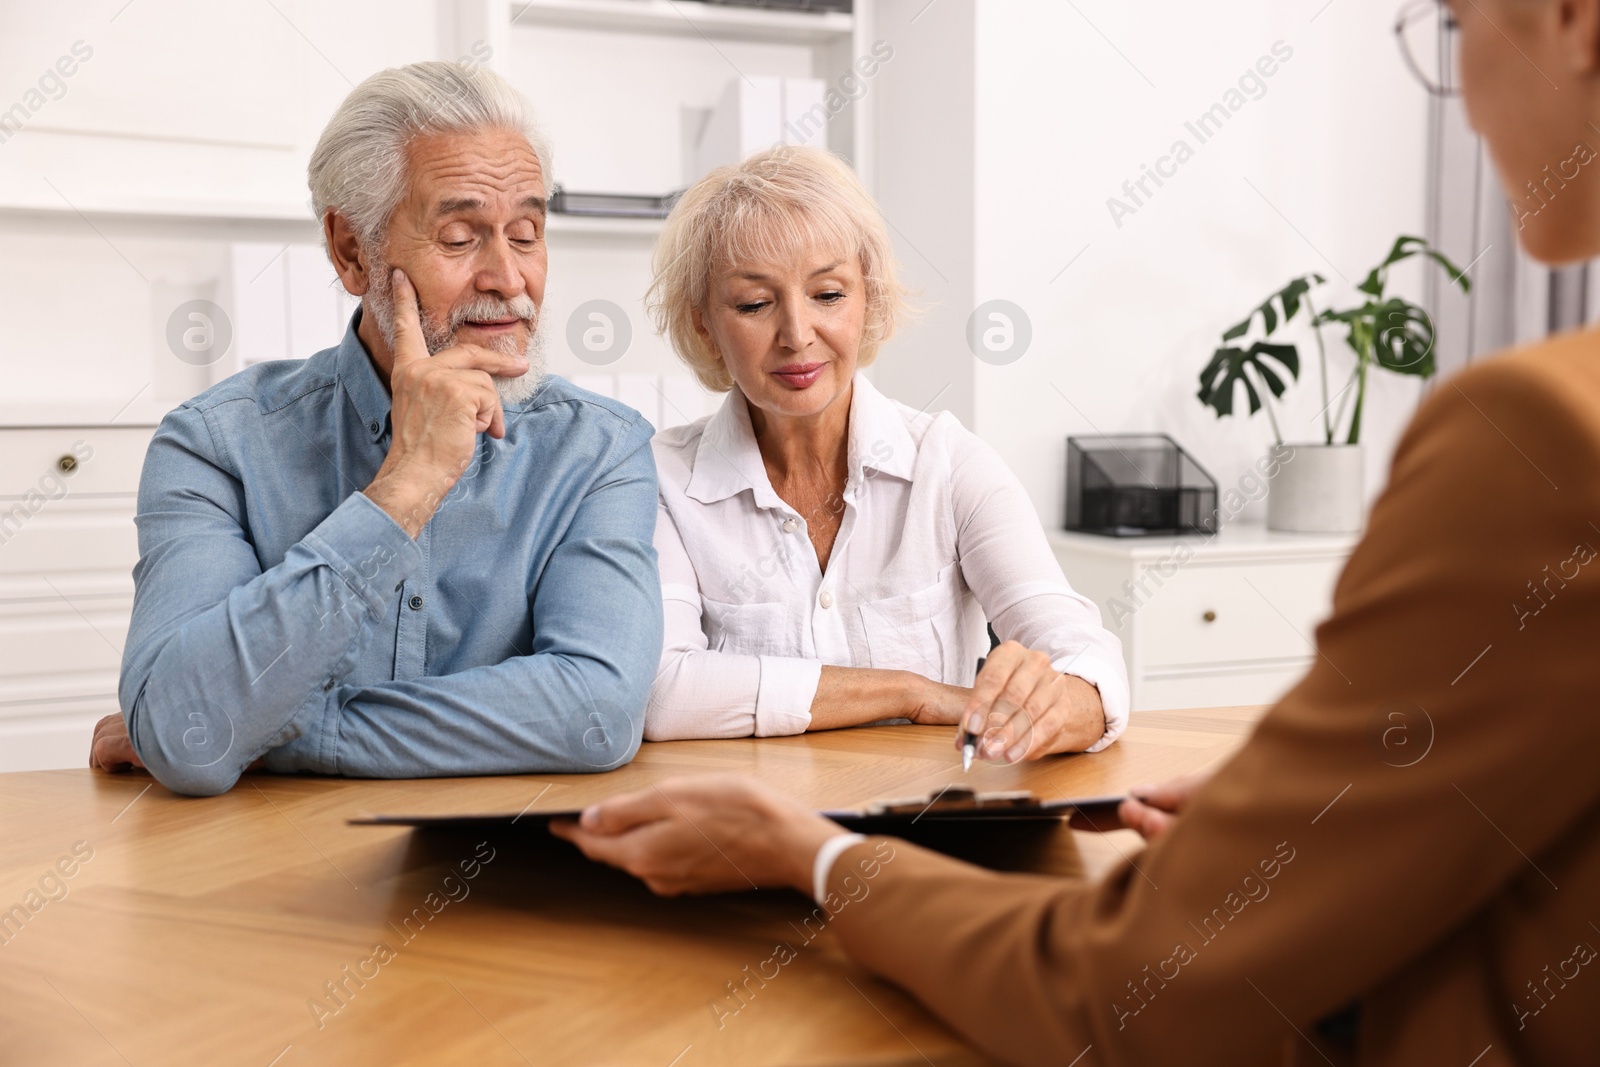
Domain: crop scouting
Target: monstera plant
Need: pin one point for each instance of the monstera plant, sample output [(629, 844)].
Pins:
[(1382, 331), (1388, 332)]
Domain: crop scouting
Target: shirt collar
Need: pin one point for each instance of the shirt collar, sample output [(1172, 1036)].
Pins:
[(361, 383), (727, 461)]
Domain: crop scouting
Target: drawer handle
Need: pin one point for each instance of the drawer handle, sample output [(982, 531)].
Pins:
[(67, 464), (1210, 616)]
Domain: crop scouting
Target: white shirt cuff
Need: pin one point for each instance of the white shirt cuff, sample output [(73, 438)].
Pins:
[(783, 697), (830, 850), (1112, 681)]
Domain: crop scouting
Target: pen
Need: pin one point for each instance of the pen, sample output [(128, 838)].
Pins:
[(969, 748)]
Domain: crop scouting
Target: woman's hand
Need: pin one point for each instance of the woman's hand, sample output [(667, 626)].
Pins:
[(1023, 708), (1152, 810), (707, 834)]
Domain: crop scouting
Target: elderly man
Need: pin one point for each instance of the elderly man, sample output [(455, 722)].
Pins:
[(411, 554)]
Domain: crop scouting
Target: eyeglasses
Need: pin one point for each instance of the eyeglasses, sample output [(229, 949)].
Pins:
[(1429, 39)]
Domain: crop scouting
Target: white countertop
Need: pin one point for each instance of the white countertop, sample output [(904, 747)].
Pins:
[(1234, 539), (90, 411)]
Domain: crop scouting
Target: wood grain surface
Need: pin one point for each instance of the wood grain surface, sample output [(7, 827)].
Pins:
[(258, 929)]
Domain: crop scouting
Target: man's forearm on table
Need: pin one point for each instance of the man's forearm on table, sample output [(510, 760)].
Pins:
[(205, 696), (542, 713)]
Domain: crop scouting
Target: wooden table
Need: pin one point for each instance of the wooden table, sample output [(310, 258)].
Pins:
[(207, 931)]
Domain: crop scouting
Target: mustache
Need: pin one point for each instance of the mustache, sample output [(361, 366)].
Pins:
[(479, 308), (485, 308)]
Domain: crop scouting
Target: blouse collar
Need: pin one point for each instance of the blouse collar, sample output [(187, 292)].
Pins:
[(727, 461)]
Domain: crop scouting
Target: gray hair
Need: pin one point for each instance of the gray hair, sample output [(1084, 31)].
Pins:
[(359, 166)]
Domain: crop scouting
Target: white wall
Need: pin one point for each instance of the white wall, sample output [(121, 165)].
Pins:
[(926, 152), (1061, 120), (1000, 128), (185, 127)]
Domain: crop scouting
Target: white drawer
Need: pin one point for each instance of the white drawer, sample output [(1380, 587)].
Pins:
[(1218, 687), (69, 536), (33, 695), (49, 737), (104, 459), (1241, 613), (59, 638)]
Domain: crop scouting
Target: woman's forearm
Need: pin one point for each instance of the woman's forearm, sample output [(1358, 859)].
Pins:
[(851, 696)]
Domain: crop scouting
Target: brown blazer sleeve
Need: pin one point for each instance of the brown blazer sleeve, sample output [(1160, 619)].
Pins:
[(1441, 754)]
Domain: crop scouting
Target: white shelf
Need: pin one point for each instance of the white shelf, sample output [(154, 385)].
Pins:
[(602, 226), (143, 410), (288, 214), (176, 211), (1233, 541), (688, 18)]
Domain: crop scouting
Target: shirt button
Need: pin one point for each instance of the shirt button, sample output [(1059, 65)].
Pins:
[(790, 526), (826, 599), (415, 602), (372, 427)]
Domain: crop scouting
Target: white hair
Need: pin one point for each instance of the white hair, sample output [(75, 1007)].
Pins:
[(358, 168)]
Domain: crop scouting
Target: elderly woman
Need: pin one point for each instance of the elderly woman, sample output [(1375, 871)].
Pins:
[(828, 556)]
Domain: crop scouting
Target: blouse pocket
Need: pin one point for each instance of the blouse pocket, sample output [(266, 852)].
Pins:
[(917, 631), (747, 629)]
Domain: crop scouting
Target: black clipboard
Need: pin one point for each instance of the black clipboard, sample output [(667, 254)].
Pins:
[(953, 804)]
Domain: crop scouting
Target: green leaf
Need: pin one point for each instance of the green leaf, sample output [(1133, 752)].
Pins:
[(1349, 314), (1231, 367), (1250, 391), (1457, 275), (1405, 246), (1269, 318), (1287, 298), (1271, 379), (1403, 338), (1287, 355)]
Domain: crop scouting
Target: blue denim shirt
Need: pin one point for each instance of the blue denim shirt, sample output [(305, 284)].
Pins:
[(280, 612)]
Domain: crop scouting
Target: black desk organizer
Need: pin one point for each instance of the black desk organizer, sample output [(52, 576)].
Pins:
[(1136, 485)]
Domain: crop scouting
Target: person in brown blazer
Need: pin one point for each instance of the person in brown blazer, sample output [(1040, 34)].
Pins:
[(1402, 864)]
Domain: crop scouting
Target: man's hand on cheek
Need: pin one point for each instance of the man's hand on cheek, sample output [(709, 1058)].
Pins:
[(707, 834), (441, 403)]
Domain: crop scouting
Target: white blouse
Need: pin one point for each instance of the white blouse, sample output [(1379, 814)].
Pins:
[(936, 535)]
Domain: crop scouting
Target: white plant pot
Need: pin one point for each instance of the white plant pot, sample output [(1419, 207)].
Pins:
[(1317, 489)]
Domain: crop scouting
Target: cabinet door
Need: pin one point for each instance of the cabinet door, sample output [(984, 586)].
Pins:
[(39, 466), (1258, 612), (67, 551), (1218, 687)]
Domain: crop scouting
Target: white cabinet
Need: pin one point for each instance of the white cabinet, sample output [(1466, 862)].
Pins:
[(67, 550), (1208, 621)]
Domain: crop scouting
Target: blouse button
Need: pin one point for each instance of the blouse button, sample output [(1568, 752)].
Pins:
[(790, 526), (826, 599)]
